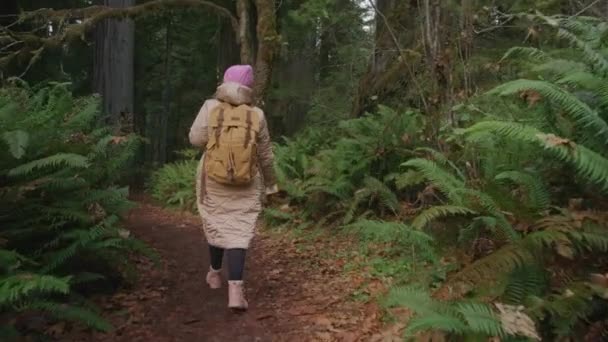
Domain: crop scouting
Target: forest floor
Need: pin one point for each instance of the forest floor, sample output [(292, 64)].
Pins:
[(298, 289)]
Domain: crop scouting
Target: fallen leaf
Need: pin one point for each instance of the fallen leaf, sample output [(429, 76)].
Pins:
[(552, 140)]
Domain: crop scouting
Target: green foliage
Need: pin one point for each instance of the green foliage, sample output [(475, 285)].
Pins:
[(59, 202), (500, 185), (346, 174), (397, 233), (466, 319), (591, 166), (175, 184)]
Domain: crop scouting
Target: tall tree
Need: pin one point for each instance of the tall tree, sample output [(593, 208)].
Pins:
[(113, 63)]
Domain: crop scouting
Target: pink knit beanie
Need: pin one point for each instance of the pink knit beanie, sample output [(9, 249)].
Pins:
[(242, 74)]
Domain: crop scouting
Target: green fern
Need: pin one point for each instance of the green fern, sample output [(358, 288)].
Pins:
[(590, 165), (59, 159), (589, 53), (17, 142), (409, 179), (581, 113), (457, 318), (523, 282), (374, 190), (480, 318), (537, 194), (438, 177), (437, 212), (527, 52), (20, 287), (74, 314), (395, 232)]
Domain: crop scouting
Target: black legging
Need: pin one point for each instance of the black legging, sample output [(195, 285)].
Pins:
[(236, 261)]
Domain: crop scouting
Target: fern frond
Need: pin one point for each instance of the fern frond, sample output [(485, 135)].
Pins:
[(524, 281), (20, 286), (441, 179), (526, 52), (442, 160), (588, 164), (581, 79), (408, 179), (85, 117), (590, 54), (67, 159), (438, 212), (503, 261), (561, 67), (384, 231), (537, 193), (581, 113), (17, 142), (436, 321), (415, 298), (74, 314), (480, 318)]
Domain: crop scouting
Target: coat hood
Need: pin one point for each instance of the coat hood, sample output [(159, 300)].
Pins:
[(234, 93)]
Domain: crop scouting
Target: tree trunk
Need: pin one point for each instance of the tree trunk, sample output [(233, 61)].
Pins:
[(243, 8), (268, 42), (166, 97), (113, 64), (385, 71)]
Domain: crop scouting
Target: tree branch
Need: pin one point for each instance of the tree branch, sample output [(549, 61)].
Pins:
[(93, 14), (90, 17)]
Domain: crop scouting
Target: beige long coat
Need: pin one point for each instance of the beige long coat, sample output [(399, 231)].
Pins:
[(230, 213)]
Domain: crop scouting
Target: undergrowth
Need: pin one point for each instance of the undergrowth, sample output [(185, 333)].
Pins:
[(60, 207), (495, 228)]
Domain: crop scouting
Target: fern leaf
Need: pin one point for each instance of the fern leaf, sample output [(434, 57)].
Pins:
[(580, 112), (527, 52), (67, 159), (442, 160), (591, 55), (74, 314), (480, 318), (503, 261), (524, 281), (408, 179), (17, 142), (18, 287), (443, 180), (538, 195), (436, 321), (414, 298), (384, 231), (588, 164), (438, 212)]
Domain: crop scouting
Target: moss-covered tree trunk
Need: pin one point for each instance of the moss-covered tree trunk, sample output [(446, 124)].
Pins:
[(113, 64), (246, 43), (268, 42)]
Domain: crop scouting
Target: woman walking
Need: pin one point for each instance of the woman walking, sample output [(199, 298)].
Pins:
[(233, 174)]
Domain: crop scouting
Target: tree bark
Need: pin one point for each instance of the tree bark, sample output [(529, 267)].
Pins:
[(113, 64), (166, 98), (268, 42), (243, 8)]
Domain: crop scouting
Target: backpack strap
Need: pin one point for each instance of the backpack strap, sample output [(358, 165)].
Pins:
[(220, 123), (249, 123)]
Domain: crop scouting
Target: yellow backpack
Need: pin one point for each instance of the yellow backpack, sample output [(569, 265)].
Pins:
[(231, 156)]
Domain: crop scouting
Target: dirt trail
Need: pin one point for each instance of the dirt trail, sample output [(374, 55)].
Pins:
[(294, 294)]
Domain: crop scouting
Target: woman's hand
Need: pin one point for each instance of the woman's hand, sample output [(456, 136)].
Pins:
[(271, 190)]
